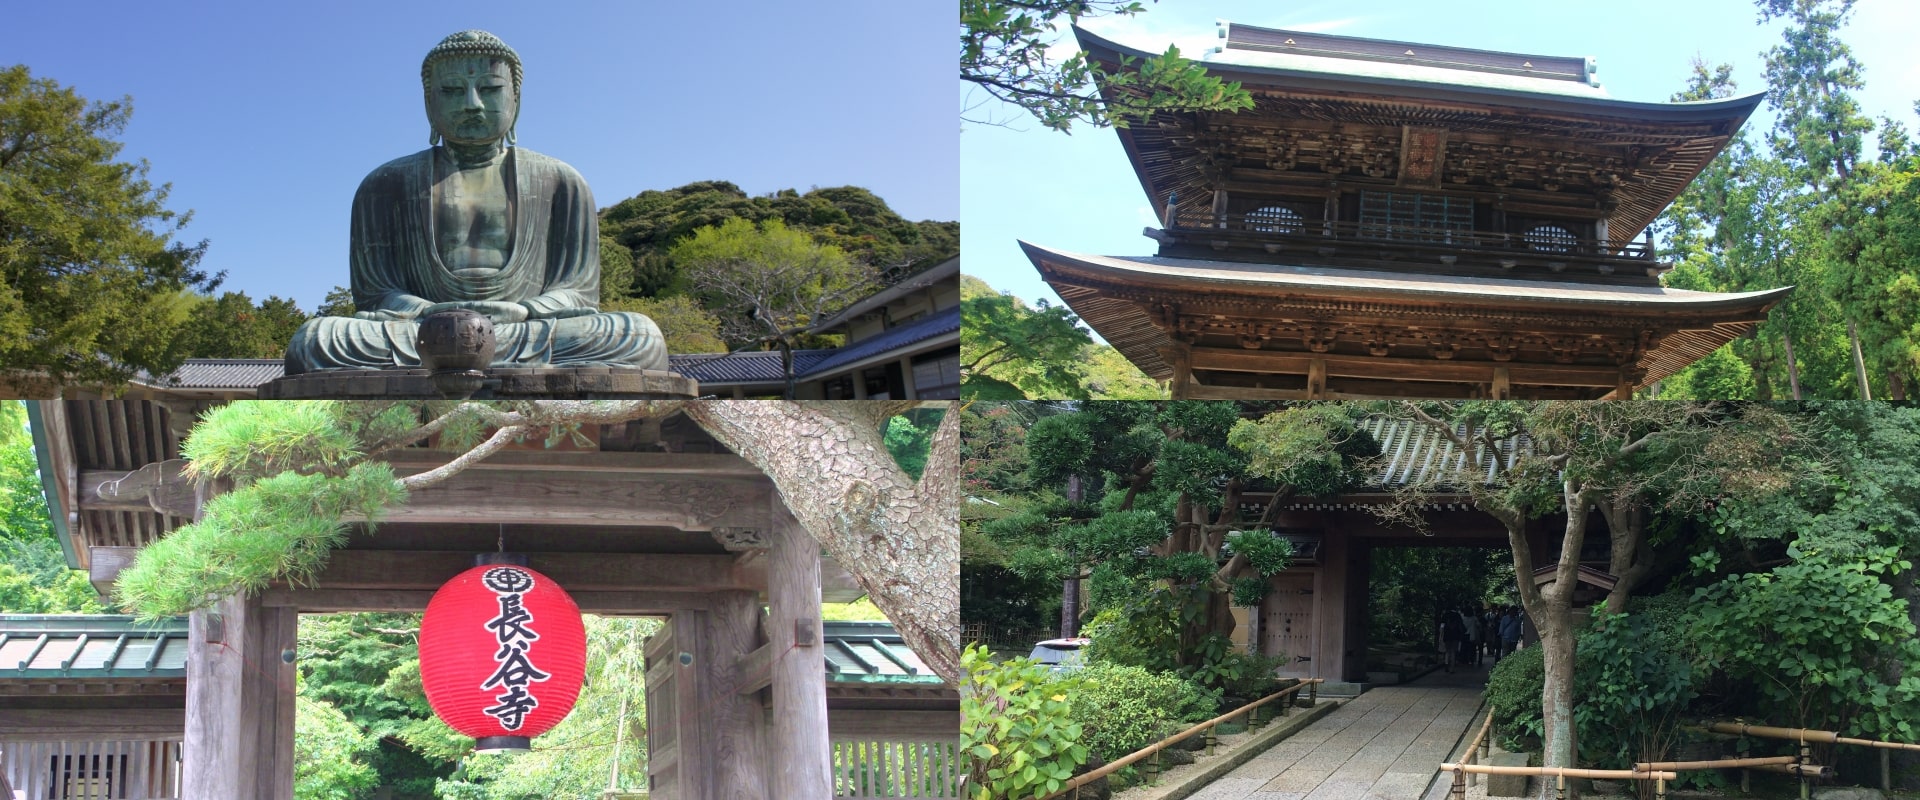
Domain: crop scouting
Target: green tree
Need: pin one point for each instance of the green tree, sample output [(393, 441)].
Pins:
[(853, 219), (1004, 52), (1819, 134), (689, 328), (34, 576), (329, 752), (365, 668), (768, 283), (233, 326), (338, 303), (1156, 524), (1010, 351), (92, 282), (1628, 461), (1110, 376)]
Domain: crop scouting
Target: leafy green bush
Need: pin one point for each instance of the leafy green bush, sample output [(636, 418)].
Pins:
[(1632, 683), (1122, 709), (1017, 727), (1814, 638), (1513, 695)]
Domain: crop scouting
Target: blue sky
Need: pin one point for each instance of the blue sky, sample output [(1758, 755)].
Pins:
[(265, 116), (1077, 192)]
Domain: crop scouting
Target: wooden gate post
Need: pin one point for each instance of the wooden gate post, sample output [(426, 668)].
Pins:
[(738, 720), (240, 702), (797, 745)]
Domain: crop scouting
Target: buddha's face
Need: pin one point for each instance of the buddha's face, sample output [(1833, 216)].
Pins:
[(471, 100)]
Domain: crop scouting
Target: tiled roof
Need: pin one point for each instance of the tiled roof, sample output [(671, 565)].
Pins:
[(940, 323), (871, 652), (91, 646), (749, 367), (219, 373), (1411, 452)]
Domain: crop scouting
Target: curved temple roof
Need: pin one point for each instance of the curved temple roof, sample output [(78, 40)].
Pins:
[(1659, 146), (1120, 296)]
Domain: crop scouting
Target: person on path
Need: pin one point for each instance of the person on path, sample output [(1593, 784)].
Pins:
[(1451, 634), (1510, 626), (1470, 644)]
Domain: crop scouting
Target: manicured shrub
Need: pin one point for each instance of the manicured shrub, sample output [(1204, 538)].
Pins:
[(1513, 694), (1121, 709)]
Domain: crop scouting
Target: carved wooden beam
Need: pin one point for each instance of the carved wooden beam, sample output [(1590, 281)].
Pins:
[(401, 580), (101, 723), (160, 486)]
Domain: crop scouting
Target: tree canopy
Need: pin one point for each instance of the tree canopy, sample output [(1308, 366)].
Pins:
[(1006, 52), (1804, 204), (648, 226), (92, 279), (1012, 351)]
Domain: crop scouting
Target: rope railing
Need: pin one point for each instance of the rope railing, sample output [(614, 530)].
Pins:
[(1071, 789)]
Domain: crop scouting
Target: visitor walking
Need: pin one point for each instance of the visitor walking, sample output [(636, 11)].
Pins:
[(1510, 626), (1472, 638), (1452, 633)]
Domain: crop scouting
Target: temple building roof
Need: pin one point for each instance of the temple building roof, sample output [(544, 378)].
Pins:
[(74, 647), (1376, 330), (1567, 136)]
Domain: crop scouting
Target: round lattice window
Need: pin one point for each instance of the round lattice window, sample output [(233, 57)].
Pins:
[(1549, 239), (1275, 219)]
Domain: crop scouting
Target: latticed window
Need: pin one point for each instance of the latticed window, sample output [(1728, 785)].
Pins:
[(1274, 219), (1549, 239), (1414, 217)]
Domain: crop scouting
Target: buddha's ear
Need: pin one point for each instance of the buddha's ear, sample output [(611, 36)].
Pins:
[(510, 137), (433, 138)]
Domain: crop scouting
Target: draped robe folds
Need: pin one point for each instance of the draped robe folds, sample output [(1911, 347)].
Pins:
[(553, 270)]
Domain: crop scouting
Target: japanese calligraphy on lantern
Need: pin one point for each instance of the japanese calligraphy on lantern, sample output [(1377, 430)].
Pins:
[(512, 630)]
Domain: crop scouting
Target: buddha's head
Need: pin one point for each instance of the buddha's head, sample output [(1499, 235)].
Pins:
[(472, 83)]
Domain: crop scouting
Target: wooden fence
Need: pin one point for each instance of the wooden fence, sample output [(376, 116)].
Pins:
[(867, 768), (85, 770)]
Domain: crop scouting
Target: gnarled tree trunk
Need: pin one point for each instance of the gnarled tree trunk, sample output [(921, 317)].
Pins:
[(899, 538)]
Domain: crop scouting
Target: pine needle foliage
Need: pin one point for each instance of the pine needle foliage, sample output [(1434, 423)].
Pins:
[(244, 441), (279, 527)]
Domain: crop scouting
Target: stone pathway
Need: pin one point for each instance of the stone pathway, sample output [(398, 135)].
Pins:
[(1385, 744)]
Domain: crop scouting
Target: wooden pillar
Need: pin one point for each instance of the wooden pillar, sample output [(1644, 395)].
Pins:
[(737, 720), (797, 746), (906, 379), (1502, 388), (1317, 379), (240, 702), (1182, 357)]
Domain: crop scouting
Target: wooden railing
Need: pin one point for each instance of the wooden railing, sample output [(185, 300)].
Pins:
[(1806, 736), (1800, 766), (1302, 234), (93, 770), (1254, 721), (864, 768)]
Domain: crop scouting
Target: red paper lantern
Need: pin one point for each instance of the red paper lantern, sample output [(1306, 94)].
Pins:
[(502, 654)]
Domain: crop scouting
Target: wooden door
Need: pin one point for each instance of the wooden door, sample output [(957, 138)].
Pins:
[(1286, 623), (663, 718)]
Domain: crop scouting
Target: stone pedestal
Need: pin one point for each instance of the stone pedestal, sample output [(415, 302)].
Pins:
[(540, 383)]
